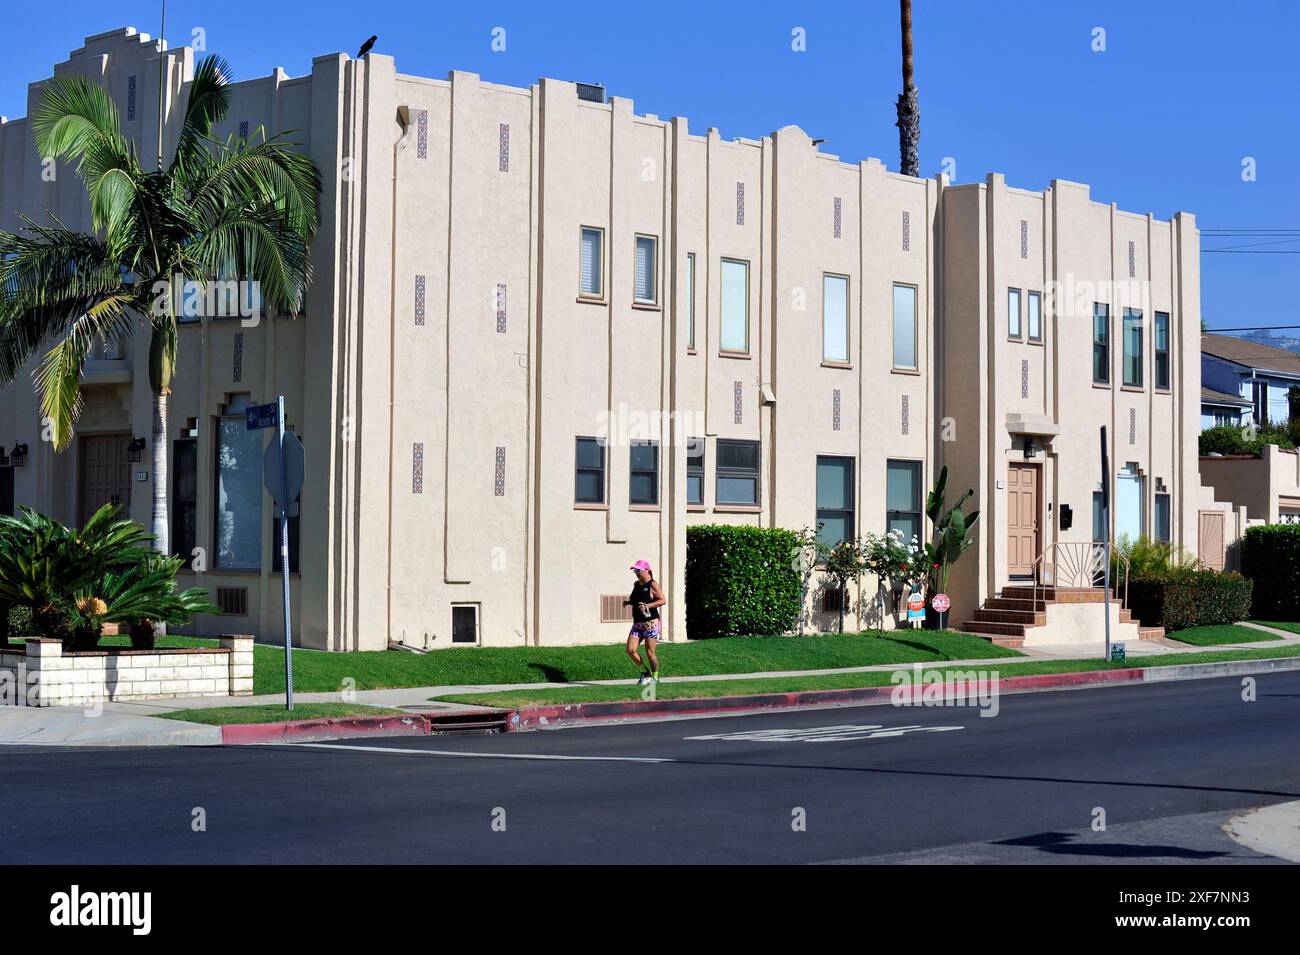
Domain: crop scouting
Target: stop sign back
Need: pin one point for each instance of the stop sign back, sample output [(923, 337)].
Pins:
[(940, 603)]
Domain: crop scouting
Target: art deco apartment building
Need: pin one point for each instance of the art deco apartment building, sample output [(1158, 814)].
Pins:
[(547, 334)]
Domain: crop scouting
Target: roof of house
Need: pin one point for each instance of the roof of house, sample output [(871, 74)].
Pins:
[(1251, 354), (1211, 397)]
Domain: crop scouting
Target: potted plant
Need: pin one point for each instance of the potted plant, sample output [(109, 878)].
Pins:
[(950, 542)]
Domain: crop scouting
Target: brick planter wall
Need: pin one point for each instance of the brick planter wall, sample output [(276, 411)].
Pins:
[(43, 675)]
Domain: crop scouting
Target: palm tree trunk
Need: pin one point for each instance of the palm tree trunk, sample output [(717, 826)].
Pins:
[(909, 110), (159, 445)]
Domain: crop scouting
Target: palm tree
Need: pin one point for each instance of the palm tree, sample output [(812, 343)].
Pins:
[(219, 211), (909, 110)]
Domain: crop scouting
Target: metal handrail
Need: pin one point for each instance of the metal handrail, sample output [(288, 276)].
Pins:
[(1081, 564)]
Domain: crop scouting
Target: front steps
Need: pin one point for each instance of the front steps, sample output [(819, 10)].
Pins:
[(1021, 616)]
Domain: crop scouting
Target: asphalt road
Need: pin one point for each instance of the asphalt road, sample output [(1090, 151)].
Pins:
[(1168, 764)]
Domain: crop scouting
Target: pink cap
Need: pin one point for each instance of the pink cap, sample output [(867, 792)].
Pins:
[(641, 565)]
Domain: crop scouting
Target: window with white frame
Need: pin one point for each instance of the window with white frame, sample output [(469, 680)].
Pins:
[(591, 267), (904, 327), (735, 305), (1035, 306), (690, 300), (1014, 327), (835, 318), (645, 282)]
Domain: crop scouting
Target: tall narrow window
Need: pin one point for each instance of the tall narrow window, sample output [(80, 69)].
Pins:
[(239, 489), (1100, 343), (1130, 513), (905, 356), (645, 269), (695, 471), (1035, 316), (834, 500), (903, 498), (1162, 349), (1014, 329), (591, 267), (1162, 518), (735, 305), (1098, 517), (589, 486), (1133, 347), (835, 318), (643, 485), (184, 502), (690, 301), (737, 467)]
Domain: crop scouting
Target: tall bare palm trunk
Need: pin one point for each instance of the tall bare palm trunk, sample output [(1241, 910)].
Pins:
[(159, 445), (909, 110)]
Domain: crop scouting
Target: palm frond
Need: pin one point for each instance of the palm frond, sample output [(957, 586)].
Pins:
[(208, 104), (264, 173)]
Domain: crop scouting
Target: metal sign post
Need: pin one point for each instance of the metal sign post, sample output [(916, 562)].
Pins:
[(282, 473), (1105, 534)]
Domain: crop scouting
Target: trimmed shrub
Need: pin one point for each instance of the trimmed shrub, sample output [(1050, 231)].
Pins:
[(741, 581), (1271, 558), (1182, 598)]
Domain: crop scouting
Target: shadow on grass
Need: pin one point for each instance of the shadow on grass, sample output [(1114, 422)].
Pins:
[(551, 674)]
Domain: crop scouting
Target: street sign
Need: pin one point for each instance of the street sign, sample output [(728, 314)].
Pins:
[(915, 607), (293, 467), (940, 603), (262, 416)]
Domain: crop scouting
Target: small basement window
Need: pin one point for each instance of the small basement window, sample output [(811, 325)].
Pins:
[(464, 623)]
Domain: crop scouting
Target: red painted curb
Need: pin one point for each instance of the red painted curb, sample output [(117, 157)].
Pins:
[(535, 717), (334, 727)]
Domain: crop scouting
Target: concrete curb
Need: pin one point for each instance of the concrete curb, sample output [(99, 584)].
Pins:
[(1272, 830), (543, 717), (334, 727)]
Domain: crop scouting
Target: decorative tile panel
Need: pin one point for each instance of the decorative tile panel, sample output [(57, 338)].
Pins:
[(1024, 238), (1024, 378), (499, 480), (835, 410), (738, 391), (237, 372), (417, 468), (1132, 426), (907, 232), (501, 307), (419, 299), (422, 134), (503, 162), (1132, 260), (907, 413), (838, 215), (740, 203), (243, 130), (130, 98)]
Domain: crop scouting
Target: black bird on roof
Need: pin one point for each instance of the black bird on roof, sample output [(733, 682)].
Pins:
[(365, 47)]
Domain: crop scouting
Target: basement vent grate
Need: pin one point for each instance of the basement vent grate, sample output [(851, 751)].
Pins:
[(612, 609), (233, 601)]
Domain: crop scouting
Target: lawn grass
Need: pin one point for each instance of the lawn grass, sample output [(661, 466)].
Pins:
[(513, 699), (276, 713), (468, 666), (1291, 626), (1224, 633)]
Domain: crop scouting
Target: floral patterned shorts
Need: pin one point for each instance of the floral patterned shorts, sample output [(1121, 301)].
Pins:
[(649, 630)]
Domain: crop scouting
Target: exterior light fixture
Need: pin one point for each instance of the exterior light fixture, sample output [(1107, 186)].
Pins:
[(134, 448), (19, 455), (1030, 450)]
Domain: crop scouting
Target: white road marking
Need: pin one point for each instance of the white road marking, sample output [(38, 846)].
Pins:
[(470, 755), (824, 734)]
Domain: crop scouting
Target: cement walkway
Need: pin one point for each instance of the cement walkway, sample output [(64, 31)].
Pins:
[(136, 722)]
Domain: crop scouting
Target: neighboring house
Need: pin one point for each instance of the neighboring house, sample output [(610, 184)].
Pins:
[(1267, 486), (547, 334), (1261, 375), (1218, 408)]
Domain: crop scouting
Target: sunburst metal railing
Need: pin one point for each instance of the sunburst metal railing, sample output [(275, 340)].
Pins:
[(1080, 564)]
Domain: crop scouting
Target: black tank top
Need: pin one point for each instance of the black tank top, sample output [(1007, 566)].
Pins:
[(642, 594)]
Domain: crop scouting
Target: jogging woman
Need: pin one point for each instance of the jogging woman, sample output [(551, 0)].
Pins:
[(645, 600)]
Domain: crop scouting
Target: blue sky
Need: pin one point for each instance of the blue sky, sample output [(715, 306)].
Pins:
[(1160, 121)]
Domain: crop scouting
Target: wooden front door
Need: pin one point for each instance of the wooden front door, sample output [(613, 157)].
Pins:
[(1022, 519), (1210, 539), (105, 472)]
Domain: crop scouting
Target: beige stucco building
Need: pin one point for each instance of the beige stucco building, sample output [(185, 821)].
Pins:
[(501, 273)]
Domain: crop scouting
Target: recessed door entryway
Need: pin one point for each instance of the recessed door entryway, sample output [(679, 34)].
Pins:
[(105, 472), (1022, 519)]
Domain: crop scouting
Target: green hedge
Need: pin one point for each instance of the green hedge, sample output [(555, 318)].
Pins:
[(1182, 598), (1271, 558), (741, 581)]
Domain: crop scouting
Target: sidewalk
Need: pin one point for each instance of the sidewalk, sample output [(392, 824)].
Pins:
[(136, 722)]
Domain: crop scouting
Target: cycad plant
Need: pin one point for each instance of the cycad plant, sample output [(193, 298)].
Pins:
[(950, 526), (219, 211)]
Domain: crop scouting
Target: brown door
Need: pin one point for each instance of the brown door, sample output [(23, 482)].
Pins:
[(1210, 539), (1022, 519), (105, 472)]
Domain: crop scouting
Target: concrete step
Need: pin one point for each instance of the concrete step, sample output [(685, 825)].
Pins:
[(1058, 594), (1028, 618), (1150, 633), (986, 628), (1011, 643), (1014, 603)]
